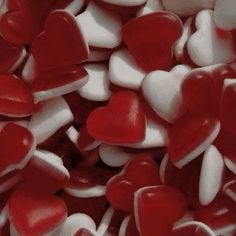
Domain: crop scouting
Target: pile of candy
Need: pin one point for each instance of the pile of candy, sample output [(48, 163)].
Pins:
[(118, 117)]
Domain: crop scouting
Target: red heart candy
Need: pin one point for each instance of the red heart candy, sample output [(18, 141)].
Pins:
[(51, 47), (15, 150), (121, 122), (157, 208), (45, 173), (24, 20), (16, 101), (210, 214), (55, 82), (140, 172), (9, 55), (150, 39), (35, 214), (202, 89), (191, 135)]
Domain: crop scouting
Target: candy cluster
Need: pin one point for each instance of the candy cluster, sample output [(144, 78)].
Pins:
[(118, 117)]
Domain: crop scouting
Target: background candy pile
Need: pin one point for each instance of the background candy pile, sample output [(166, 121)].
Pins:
[(118, 117)]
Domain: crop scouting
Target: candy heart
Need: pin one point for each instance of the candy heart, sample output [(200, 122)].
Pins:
[(100, 27), (76, 222), (49, 52), (202, 88), (227, 114), (150, 7), (224, 15), (161, 90), (222, 223), (149, 42), (56, 82), (23, 143), (97, 87), (197, 133), (16, 101), (211, 175), (11, 56), (187, 7), (123, 71), (24, 20), (121, 122), (138, 173), (45, 173), (156, 208), (54, 114), (207, 46), (41, 213)]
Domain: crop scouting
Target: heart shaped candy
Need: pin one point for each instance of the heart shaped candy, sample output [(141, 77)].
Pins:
[(17, 101), (121, 122), (161, 90), (123, 66), (156, 208), (97, 87), (54, 114), (24, 20), (60, 81), (138, 173), (11, 56), (150, 39), (23, 143), (207, 46), (40, 214), (191, 135), (100, 26), (45, 173), (49, 52)]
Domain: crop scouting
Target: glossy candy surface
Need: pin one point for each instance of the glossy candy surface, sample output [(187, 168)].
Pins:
[(117, 118)]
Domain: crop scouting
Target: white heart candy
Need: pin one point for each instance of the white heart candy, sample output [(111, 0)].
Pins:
[(97, 87), (206, 46), (162, 91), (224, 14), (124, 72), (187, 7), (100, 27), (54, 114), (211, 175)]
